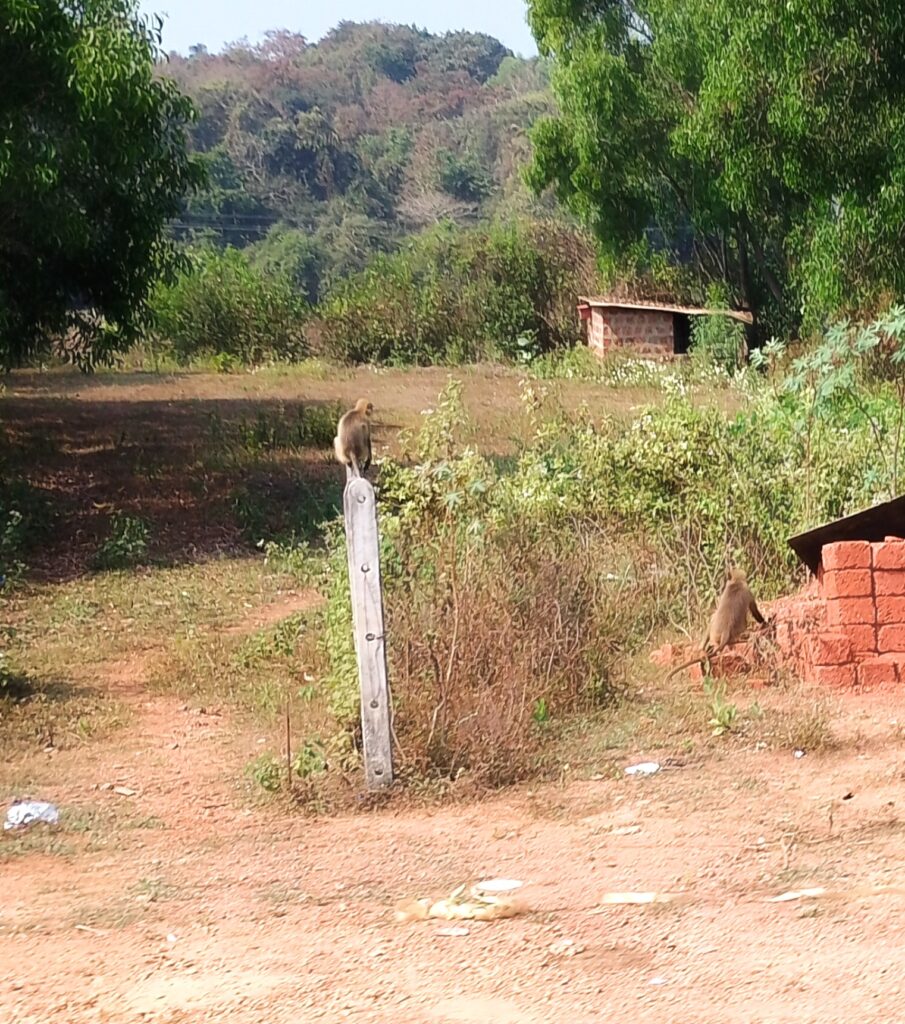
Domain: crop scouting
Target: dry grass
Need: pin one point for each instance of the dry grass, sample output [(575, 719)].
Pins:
[(256, 670), (206, 459), (75, 649), (499, 639)]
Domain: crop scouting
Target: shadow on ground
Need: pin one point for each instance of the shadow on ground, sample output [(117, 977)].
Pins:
[(209, 476)]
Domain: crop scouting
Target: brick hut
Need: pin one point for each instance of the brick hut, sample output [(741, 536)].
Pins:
[(644, 328)]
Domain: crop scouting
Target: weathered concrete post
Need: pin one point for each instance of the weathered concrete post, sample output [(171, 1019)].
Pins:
[(363, 547)]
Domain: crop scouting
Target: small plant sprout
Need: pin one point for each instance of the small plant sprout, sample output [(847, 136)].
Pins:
[(723, 713)]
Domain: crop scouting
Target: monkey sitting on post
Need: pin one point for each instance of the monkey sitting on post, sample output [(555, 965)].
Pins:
[(352, 443), (729, 620)]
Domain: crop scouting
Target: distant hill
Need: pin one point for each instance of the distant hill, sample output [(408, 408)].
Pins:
[(323, 154)]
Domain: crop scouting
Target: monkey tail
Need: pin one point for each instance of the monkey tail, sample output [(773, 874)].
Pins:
[(699, 660), (706, 655)]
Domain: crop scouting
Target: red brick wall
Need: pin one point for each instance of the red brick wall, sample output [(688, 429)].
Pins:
[(645, 331), (847, 628), (861, 639)]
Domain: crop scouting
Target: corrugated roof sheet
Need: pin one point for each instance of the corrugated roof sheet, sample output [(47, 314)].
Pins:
[(663, 307), (873, 524)]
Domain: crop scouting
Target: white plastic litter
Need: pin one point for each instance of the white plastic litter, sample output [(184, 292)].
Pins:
[(615, 898), (644, 768), (28, 812), (497, 885), (566, 947), (797, 894)]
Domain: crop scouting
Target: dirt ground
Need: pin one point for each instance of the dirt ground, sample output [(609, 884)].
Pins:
[(186, 904), (168, 895), (141, 442)]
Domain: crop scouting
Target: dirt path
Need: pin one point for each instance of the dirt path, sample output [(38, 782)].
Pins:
[(174, 901), (220, 912)]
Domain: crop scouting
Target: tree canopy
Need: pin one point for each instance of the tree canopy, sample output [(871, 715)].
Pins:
[(341, 149), (770, 134), (93, 163)]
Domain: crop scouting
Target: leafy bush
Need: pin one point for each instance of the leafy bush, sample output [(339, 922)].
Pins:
[(718, 340), (290, 558), (459, 295), (221, 305), (294, 256), (126, 545), (854, 379), (24, 518), (265, 772), (12, 541)]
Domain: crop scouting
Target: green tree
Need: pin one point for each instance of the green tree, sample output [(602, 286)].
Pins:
[(770, 133), (295, 256), (93, 163), (478, 54), (221, 304)]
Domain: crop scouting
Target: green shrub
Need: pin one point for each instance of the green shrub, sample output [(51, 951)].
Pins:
[(337, 644), (454, 295), (290, 558), (126, 544), (266, 772), (292, 255), (718, 341), (223, 306), (24, 520)]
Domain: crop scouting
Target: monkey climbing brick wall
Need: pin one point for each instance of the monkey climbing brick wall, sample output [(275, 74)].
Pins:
[(845, 629)]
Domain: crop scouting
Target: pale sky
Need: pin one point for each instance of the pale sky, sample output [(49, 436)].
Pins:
[(215, 22)]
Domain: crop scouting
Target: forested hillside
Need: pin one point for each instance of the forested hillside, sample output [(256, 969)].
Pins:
[(322, 155)]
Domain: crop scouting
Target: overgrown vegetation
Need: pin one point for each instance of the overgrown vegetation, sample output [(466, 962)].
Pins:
[(24, 521), (321, 155), (460, 296), (126, 545), (450, 295), (221, 305), (515, 594), (754, 146)]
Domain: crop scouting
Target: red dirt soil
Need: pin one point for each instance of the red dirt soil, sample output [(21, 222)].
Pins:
[(182, 903), (227, 913)]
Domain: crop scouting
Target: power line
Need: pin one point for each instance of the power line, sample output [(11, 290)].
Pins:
[(228, 220), (176, 225)]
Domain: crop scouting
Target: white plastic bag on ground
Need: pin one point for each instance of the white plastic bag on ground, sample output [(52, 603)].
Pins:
[(28, 812)]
